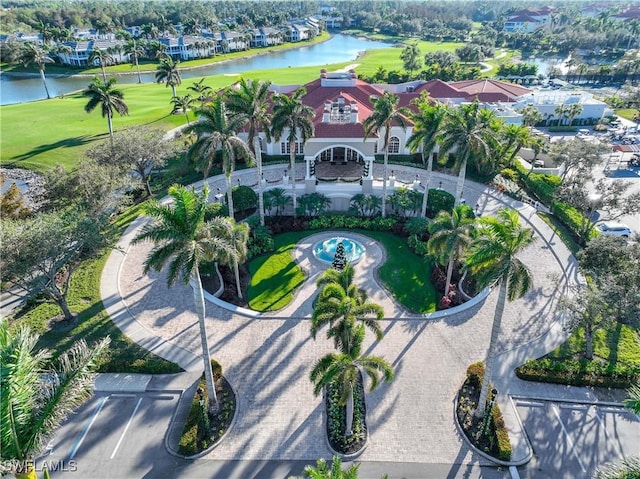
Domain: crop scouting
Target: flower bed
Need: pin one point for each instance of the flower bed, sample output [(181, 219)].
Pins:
[(495, 440), (337, 420), (195, 436)]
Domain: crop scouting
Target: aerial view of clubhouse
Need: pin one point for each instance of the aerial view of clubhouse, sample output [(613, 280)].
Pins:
[(283, 240)]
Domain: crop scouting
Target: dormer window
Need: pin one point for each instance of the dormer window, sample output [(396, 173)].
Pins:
[(340, 111)]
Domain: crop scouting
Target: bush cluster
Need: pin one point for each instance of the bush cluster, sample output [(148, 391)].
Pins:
[(337, 420), (579, 373), (497, 441), (377, 223), (260, 241)]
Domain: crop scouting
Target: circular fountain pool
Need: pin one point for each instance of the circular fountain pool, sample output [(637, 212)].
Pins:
[(326, 250)]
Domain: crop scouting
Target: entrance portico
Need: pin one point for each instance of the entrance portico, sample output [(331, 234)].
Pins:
[(339, 161)]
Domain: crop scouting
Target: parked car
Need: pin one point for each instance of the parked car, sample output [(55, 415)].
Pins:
[(614, 229)]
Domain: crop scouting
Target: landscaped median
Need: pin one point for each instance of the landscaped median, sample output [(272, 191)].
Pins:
[(486, 433)]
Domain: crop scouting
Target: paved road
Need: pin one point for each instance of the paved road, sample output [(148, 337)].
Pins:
[(570, 440)]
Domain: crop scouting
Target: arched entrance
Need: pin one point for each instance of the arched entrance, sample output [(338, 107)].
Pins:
[(339, 161)]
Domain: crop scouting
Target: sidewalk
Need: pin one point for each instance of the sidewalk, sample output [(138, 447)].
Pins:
[(268, 359)]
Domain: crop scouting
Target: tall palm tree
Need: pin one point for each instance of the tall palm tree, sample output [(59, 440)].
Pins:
[(109, 98), (573, 110), (169, 74), (216, 130), (467, 130), (427, 122), (341, 304), (135, 51), (32, 54), (103, 58), (183, 240), (182, 103), (250, 100), (531, 116), (561, 111), (343, 371), (203, 91), (32, 408), (634, 28), (516, 137), (385, 114), (295, 118), (492, 261), (237, 235), (450, 237)]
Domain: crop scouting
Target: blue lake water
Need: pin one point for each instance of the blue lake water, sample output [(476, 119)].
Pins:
[(340, 48)]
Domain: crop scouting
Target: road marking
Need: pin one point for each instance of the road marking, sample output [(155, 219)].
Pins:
[(616, 446), (579, 407), (126, 428), (514, 472), (529, 403), (122, 395), (554, 408), (88, 424)]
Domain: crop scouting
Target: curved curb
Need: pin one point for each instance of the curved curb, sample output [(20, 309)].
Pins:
[(206, 451), (489, 457), (325, 418)]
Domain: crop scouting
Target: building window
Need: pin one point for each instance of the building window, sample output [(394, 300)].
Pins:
[(375, 148), (285, 149), (394, 145)]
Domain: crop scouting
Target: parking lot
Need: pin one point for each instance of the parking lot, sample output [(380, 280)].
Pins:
[(571, 440), (113, 435)]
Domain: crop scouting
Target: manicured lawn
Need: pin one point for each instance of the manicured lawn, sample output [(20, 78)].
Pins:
[(406, 275), (275, 277), (93, 322), (628, 113), (616, 360)]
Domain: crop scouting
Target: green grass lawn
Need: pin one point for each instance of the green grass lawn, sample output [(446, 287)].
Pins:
[(628, 113), (275, 277), (406, 275), (93, 322), (616, 361)]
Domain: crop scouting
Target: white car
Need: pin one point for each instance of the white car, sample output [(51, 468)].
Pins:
[(614, 229)]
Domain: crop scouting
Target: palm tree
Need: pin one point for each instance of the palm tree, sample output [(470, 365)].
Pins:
[(634, 28), (238, 236), (109, 98), (135, 51), (561, 111), (633, 401), (342, 370), (296, 118), (385, 113), (167, 72), (427, 122), (572, 111), (467, 129), (341, 304), (517, 136), (531, 116), (203, 91), (103, 57), (322, 470), (31, 407), (183, 240), (277, 198), (450, 237), (492, 260), (216, 130), (250, 100), (182, 103), (32, 54)]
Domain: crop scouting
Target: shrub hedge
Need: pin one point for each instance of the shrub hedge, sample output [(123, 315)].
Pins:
[(580, 372)]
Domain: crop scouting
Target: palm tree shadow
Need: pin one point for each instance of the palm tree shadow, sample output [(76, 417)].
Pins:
[(66, 143)]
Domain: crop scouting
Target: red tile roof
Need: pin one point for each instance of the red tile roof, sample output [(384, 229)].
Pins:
[(440, 89), (490, 90)]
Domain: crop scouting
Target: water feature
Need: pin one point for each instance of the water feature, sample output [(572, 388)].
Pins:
[(326, 250), (339, 49)]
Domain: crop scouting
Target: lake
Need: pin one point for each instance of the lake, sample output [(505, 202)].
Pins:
[(340, 48)]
